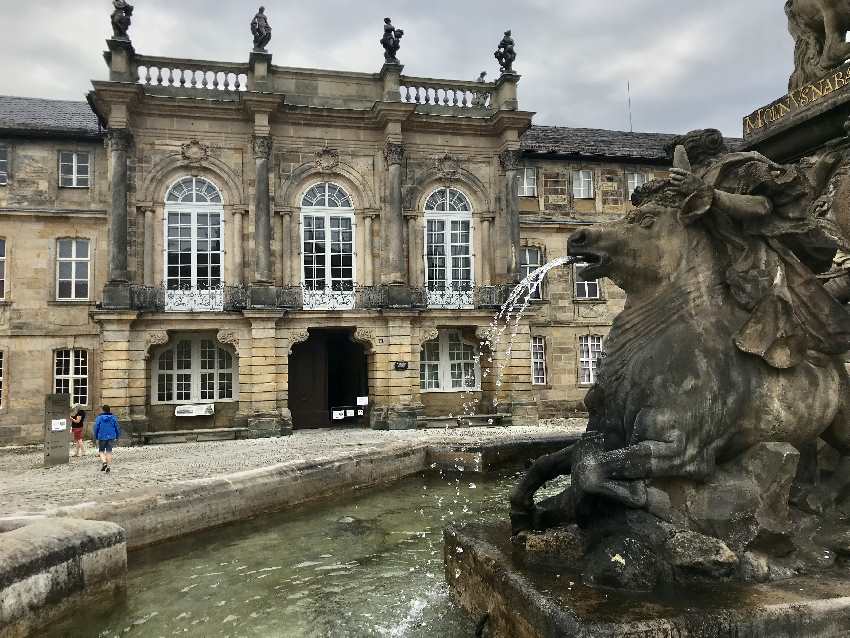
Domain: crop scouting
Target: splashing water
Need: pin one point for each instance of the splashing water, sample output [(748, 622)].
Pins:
[(509, 316)]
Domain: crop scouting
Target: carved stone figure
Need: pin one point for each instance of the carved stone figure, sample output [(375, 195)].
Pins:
[(121, 18), (506, 54), (261, 30), (728, 354), (391, 41), (819, 29)]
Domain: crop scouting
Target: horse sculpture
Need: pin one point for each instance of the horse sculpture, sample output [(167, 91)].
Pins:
[(675, 398), (819, 29)]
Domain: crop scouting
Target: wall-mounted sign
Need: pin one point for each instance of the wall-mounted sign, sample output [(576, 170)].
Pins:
[(363, 401), (206, 409), (349, 413), (401, 366), (338, 415), (58, 425)]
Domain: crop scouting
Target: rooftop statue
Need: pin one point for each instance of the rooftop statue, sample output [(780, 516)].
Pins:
[(121, 18), (728, 354), (261, 30), (506, 54), (819, 29), (391, 41)]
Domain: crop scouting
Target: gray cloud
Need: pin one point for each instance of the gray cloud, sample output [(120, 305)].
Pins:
[(690, 64)]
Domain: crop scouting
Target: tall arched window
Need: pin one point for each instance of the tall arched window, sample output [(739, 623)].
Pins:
[(327, 248), (194, 249), (449, 268), (195, 369)]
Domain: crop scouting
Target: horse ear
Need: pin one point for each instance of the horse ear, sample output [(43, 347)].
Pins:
[(681, 159)]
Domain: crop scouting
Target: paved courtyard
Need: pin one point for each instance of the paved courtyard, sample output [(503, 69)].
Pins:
[(27, 486)]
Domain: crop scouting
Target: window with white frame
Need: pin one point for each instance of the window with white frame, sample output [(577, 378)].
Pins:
[(531, 258), (327, 248), (74, 169), (448, 249), (194, 246), (538, 360), (590, 350), (2, 269), (73, 261), (635, 181), (194, 369), (4, 165), (71, 374), (583, 185), (527, 183), (449, 363), (585, 290)]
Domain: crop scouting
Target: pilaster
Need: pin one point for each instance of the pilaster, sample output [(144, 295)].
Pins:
[(510, 160), (120, 359)]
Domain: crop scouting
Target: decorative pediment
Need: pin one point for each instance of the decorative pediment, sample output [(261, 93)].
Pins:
[(195, 152)]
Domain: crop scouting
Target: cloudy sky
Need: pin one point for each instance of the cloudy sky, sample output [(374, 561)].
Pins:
[(691, 64)]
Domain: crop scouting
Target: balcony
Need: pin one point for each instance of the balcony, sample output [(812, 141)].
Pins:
[(295, 298)]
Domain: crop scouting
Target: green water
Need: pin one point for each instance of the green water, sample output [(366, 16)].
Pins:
[(366, 564)]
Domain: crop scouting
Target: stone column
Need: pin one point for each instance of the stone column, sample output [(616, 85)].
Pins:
[(510, 160), (149, 246), (238, 266), (368, 264), (392, 223), (116, 294), (486, 252), (295, 248), (278, 263), (262, 213), (285, 242), (413, 252)]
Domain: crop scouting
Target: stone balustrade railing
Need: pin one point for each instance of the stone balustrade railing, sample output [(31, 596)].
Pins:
[(447, 93), (191, 74)]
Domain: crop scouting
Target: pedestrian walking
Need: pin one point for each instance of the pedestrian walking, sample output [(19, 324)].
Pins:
[(78, 423), (106, 432)]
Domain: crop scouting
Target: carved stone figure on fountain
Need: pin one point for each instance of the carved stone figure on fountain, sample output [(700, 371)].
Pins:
[(261, 30), (121, 19), (391, 41), (728, 354), (819, 29), (506, 53)]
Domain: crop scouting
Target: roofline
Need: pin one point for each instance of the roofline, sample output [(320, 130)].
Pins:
[(67, 134), (554, 155)]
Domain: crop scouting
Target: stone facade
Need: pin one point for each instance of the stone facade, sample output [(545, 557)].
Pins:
[(259, 137)]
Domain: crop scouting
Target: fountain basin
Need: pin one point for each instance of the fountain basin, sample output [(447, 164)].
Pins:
[(527, 596)]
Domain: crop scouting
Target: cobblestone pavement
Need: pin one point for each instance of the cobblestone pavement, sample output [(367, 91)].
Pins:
[(26, 486)]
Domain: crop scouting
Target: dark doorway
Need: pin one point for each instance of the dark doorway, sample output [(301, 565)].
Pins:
[(326, 373)]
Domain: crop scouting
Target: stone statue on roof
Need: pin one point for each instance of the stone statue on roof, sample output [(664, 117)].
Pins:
[(261, 30), (819, 29), (121, 18), (506, 54), (391, 41)]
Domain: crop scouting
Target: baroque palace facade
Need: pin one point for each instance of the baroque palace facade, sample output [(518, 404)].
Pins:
[(207, 245)]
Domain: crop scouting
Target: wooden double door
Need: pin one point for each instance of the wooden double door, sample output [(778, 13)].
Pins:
[(325, 372)]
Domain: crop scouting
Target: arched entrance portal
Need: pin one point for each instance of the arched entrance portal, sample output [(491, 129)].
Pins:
[(326, 374)]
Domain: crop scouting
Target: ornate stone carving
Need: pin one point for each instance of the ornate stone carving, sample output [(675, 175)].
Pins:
[(119, 139), (195, 152), (296, 337), (229, 337), (366, 336), (393, 153), (506, 54), (327, 159), (262, 145), (261, 30), (447, 167), (428, 334), (510, 160), (121, 19), (819, 29), (391, 41), (154, 338), (485, 333)]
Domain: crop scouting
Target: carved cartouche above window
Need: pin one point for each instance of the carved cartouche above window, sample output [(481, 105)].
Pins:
[(327, 159), (195, 152), (393, 153), (447, 167)]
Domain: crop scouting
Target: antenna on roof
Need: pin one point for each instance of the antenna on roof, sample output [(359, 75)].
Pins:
[(629, 95)]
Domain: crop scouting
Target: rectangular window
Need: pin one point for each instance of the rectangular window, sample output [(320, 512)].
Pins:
[(634, 181), (528, 182), (2, 269), (194, 254), (531, 258), (448, 262), (71, 374), (538, 360), (583, 185), (4, 165), (590, 350), (585, 290), (448, 363), (73, 169), (328, 261), (72, 270)]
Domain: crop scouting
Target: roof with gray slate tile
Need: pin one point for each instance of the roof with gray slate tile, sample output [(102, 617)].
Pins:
[(36, 116)]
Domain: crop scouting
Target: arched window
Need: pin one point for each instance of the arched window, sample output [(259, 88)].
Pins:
[(194, 250), (327, 248), (449, 363), (194, 369), (449, 273)]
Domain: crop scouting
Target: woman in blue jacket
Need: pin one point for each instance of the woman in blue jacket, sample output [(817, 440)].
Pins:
[(106, 432)]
